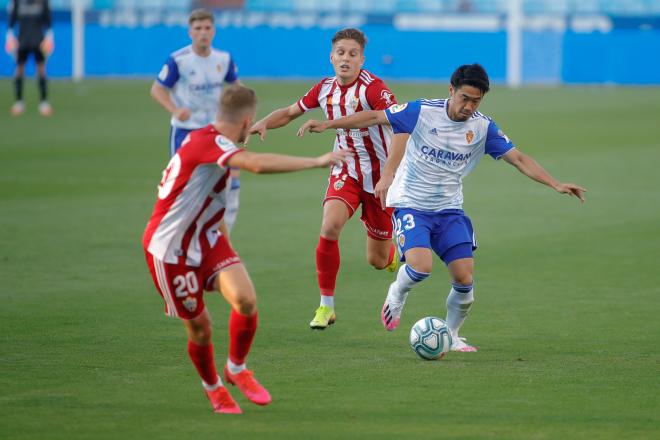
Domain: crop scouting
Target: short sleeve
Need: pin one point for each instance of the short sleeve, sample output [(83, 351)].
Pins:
[(379, 96), (232, 72), (403, 117), (311, 98), (226, 149), (169, 74), (497, 143)]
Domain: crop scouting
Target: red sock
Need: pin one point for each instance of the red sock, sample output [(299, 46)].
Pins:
[(202, 357), (241, 333), (392, 254), (327, 265)]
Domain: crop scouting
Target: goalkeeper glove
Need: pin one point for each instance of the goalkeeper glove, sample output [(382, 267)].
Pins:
[(11, 44), (47, 45)]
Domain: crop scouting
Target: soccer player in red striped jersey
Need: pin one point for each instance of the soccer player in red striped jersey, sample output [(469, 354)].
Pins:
[(187, 254), (351, 90)]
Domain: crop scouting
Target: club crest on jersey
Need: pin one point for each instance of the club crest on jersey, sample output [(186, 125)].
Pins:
[(402, 240), (218, 67), (469, 136), (339, 184), (387, 97), (190, 303), (398, 108), (329, 100), (353, 102)]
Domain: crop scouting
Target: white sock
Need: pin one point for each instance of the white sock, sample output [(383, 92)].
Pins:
[(235, 368), (215, 386), (327, 300), (406, 279), (459, 302)]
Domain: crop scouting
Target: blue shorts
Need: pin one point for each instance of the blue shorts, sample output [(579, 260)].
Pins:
[(177, 135), (449, 232)]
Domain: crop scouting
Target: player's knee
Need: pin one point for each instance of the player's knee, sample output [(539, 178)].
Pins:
[(378, 264), (331, 230), (426, 268), (377, 261), (463, 278), (246, 305), (200, 335), (422, 267)]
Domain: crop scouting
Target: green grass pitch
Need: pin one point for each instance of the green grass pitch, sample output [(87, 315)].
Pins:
[(566, 315)]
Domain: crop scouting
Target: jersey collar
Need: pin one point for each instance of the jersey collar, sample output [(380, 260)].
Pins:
[(351, 84)]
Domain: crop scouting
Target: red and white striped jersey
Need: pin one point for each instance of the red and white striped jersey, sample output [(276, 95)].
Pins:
[(191, 199), (371, 145)]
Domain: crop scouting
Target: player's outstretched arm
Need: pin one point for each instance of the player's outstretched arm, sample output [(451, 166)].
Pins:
[(162, 96), (278, 118), (397, 150), (268, 163), (531, 168), (362, 119)]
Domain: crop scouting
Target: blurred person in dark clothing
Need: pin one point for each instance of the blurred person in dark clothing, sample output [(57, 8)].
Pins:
[(35, 37)]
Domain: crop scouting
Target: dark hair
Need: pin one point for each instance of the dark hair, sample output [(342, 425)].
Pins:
[(471, 75), (351, 34), (200, 14), (235, 101)]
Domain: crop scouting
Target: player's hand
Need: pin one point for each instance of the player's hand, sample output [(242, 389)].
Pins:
[(572, 190), (260, 129), (181, 113), (11, 44), (47, 46), (334, 158), (313, 126), (383, 185)]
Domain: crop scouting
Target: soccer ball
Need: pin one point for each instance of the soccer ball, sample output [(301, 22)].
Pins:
[(430, 338)]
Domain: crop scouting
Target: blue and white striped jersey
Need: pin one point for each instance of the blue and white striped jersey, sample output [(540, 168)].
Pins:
[(439, 154), (196, 82)]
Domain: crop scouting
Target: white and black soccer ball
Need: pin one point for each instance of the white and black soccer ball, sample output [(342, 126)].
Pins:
[(430, 338)]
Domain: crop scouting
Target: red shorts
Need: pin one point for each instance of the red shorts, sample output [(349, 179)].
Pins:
[(377, 221), (182, 286)]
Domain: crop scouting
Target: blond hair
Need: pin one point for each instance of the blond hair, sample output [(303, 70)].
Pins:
[(235, 102)]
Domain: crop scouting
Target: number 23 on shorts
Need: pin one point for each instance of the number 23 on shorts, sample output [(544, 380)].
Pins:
[(406, 222)]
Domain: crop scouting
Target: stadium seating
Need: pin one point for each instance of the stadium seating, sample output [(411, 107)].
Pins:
[(607, 7)]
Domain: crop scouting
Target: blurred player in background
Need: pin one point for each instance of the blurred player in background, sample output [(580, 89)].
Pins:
[(35, 37), (351, 90), (189, 86), (440, 141), (187, 254)]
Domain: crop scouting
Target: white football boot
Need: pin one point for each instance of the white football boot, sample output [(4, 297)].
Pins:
[(459, 344), (45, 109), (17, 109), (390, 314)]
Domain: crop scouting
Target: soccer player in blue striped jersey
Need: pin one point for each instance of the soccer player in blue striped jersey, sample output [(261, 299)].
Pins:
[(189, 86), (437, 143)]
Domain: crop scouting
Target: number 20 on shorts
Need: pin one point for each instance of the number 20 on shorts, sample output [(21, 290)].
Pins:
[(185, 284)]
